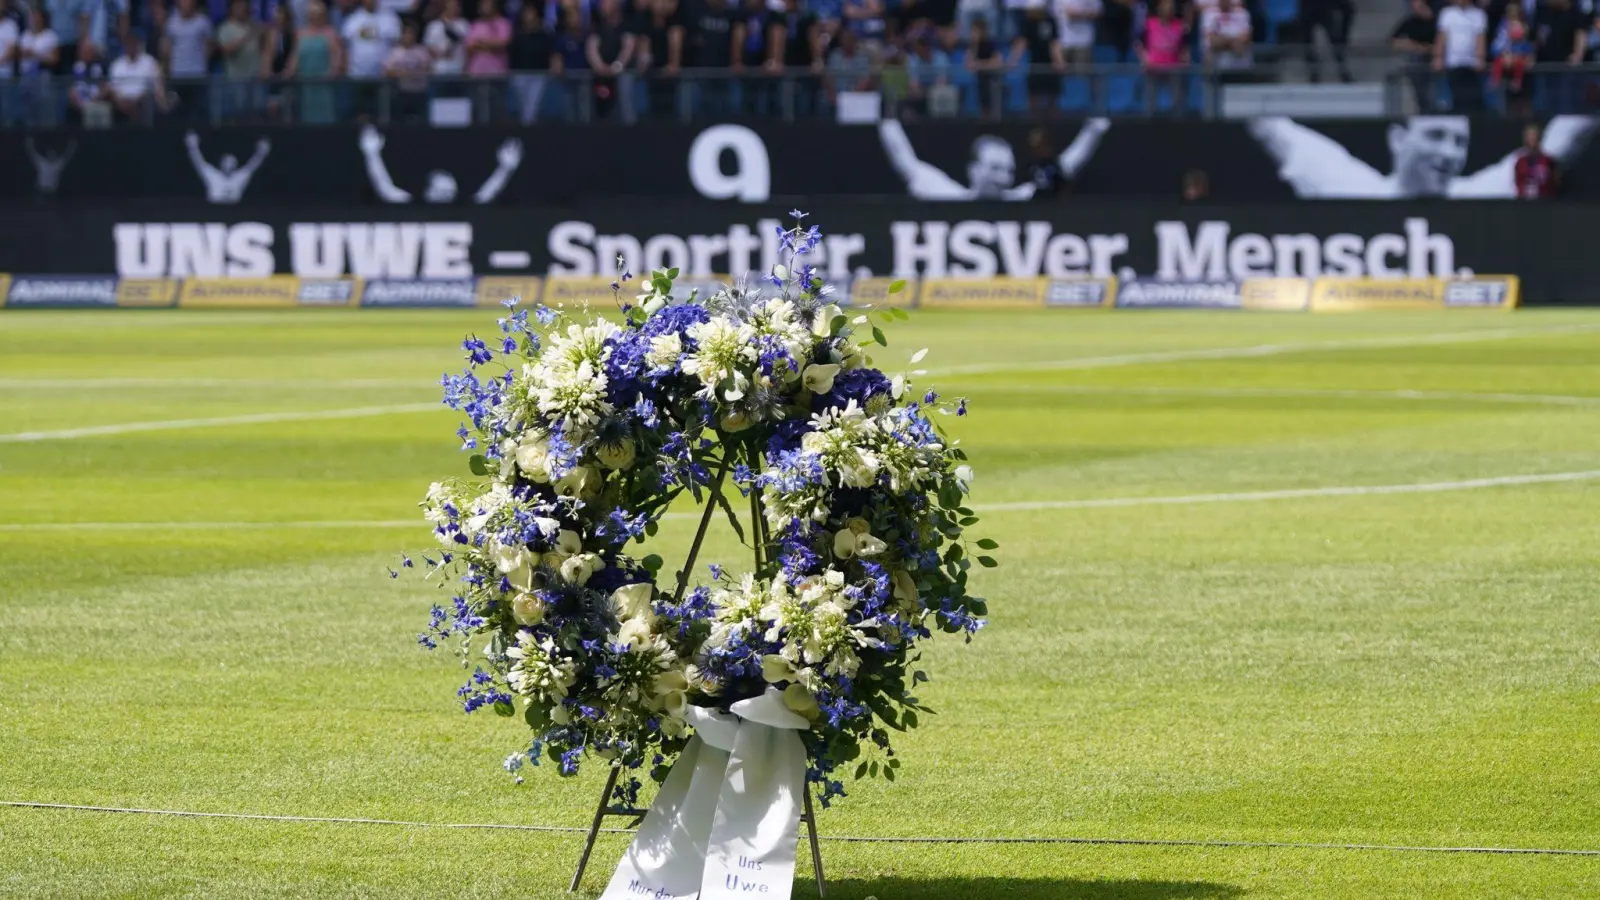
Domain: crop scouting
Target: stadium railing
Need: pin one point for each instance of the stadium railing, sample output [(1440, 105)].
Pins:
[(791, 95)]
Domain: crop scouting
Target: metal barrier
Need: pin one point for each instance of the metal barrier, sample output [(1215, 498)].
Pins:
[(793, 94)]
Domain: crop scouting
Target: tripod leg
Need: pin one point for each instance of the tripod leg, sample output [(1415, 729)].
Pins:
[(594, 829), (816, 849)]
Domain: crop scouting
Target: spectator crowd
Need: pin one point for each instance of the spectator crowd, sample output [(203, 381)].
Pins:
[(1530, 51), (321, 61)]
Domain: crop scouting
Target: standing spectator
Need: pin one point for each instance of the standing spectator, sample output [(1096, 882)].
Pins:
[(277, 49), (446, 40), (69, 19), (187, 53), (849, 68), (533, 60), (1014, 23), (135, 88), (926, 69), (1413, 39), (1163, 53), (762, 51), (489, 42), (408, 65), (1459, 52), (10, 38), (1535, 171), (1560, 42), (1076, 19), (661, 53), (609, 51), (318, 59), (1228, 36), (970, 11), (803, 44), (1512, 50), (713, 45), (369, 32), (108, 19), (866, 19), (239, 39), (38, 49), (1334, 18), (985, 63), (1037, 38), (1117, 27)]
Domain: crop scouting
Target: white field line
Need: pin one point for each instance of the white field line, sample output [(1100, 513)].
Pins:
[(859, 839), (1429, 487), (136, 382), (358, 412), (1087, 362), (1348, 394), (1255, 350)]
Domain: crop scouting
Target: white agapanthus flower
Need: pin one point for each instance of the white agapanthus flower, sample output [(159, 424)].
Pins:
[(538, 671)]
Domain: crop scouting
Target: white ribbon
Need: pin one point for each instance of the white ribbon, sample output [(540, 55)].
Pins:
[(727, 820)]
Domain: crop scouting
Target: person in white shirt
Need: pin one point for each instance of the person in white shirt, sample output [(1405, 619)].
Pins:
[(992, 170), (10, 37), (135, 85), (38, 49), (1228, 35), (1459, 52), (369, 34), (1075, 21), (446, 39)]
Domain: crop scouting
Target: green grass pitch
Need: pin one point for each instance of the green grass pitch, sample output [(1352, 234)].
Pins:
[(1310, 667)]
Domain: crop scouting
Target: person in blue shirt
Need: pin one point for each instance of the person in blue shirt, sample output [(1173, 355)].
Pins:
[(71, 20)]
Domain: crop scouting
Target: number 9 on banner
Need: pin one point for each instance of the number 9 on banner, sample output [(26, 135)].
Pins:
[(751, 178)]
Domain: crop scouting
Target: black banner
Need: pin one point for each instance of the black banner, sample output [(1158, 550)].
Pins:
[(1267, 159), (1162, 240)]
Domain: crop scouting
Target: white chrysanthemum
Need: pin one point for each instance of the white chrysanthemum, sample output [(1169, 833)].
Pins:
[(576, 396), (726, 350), (665, 351), (581, 344)]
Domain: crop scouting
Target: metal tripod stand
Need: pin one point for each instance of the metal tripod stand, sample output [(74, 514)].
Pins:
[(606, 808), (761, 540)]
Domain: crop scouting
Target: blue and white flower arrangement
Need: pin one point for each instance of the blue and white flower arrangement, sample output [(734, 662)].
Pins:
[(585, 429)]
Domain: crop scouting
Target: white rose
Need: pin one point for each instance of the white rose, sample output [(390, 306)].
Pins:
[(527, 609), (509, 559), (818, 377), (533, 458), (735, 422), (632, 601), (578, 569), (582, 483), (616, 456)]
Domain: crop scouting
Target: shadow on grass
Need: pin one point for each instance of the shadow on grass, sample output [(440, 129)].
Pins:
[(892, 888)]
